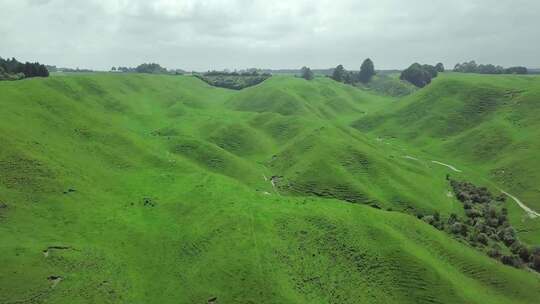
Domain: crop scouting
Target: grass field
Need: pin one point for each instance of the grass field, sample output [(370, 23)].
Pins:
[(162, 189)]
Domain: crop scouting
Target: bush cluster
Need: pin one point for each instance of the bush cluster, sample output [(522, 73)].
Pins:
[(421, 74), (233, 80), (486, 226), (468, 193)]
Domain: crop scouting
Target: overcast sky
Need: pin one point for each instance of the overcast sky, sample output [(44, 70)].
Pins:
[(206, 34)]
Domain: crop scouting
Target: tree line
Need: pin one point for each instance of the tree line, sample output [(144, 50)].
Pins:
[(12, 69), (147, 68), (54, 69), (473, 67), (364, 75)]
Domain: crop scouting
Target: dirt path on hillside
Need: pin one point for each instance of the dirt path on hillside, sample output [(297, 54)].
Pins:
[(446, 165), (531, 213)]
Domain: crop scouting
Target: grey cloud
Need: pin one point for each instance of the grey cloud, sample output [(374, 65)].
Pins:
[(206, 34)]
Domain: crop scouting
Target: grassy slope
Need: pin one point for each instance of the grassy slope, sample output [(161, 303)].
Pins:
[(389, 84), (481, 124), (170, 206)]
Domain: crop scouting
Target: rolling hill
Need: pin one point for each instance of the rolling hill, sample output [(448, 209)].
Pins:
[(162, 189), (486, 125)]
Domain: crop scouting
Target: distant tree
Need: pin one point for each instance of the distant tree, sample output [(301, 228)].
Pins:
[(472, 67), (306, 73), (43, 71), (489, 69), (113, 69), (51, 68), (3, 74), (466, 67), (417, 75), (367, 71), (516, 70), (13, 70), (150, 68), (339, 73), (439, 67), (431, 70), (349, 77)]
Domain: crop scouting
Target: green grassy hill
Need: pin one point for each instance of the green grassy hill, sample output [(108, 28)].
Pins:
[(389, 84), (158, 189), (486, 125)]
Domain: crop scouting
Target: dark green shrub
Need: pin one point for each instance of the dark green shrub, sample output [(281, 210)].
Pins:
[(429, 219), (525, 254), (459, 228), (535, 263), (494, 252), (507, 235), (511, 260), (452, 219), (482, 238)]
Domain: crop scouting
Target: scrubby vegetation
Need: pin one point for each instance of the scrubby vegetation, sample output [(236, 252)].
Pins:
[(12, 69), (473, 67), (486, 226), (233, 80)]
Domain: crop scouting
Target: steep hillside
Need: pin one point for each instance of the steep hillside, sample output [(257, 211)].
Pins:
[(389, 84), (486, 125), (322, 98), (160, 189)]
